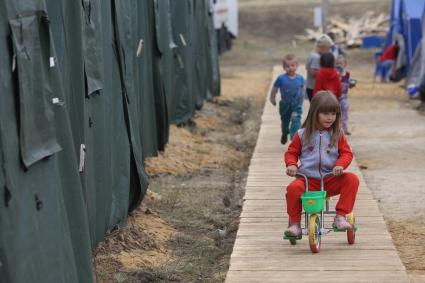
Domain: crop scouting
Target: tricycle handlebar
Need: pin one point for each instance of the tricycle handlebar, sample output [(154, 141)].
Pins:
[(321, 180)]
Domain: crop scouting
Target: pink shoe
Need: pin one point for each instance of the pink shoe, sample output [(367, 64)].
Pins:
[(294, 230), (341, 223)]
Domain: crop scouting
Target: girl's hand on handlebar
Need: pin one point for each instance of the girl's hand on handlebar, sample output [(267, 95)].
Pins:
[(338, 170), (291, 170)]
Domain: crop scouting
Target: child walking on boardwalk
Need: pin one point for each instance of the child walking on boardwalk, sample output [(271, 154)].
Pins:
[(323, 45), (291, 86), (320, 147), (341, 64), (328, 78)]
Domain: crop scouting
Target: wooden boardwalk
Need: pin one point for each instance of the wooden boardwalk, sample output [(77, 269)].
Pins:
[(261, 255)]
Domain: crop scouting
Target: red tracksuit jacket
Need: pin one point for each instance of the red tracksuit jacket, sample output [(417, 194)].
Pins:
[(328, 79), (318, 158)]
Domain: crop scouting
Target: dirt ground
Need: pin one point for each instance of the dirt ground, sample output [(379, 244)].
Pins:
[(185, 229), (388, 140)]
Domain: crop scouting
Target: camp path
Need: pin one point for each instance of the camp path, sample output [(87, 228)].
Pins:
[(260, 254)]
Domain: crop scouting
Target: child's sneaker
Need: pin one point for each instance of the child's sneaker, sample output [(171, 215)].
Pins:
[(294, 230), (341, 223)]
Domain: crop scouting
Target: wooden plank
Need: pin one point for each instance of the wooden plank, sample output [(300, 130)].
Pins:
[(280, 195), (280, 224), (344, 255), (359, 209), (284, 246), (261, 238), (364, 234), (365, 220), (278, 202), (282, 214), (322, 277), (309, 263), (265, 212)]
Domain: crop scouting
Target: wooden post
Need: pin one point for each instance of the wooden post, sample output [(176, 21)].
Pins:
[(324, 6)]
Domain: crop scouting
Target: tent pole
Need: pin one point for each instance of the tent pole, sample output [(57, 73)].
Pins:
[(324, 7)]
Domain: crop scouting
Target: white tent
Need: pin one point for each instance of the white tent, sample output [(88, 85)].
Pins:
[(226, 15), (233, 17)]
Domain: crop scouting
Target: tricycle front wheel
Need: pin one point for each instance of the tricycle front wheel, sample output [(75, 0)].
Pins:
[(314, 236)]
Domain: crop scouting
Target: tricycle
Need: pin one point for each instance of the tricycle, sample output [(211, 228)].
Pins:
[(316, 206)]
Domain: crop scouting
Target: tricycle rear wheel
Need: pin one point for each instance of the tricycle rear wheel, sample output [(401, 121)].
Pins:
[(351, 233)]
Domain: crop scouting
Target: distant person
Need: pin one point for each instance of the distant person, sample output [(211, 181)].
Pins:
[(388, 60), (341, 65), (323, 45), (336, 50), (318, 148), (291, 87), (328, 78)]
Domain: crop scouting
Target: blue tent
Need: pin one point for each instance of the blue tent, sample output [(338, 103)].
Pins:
[(394, 22), (394, 30), (405, 23), (410, 17), (416, 77)]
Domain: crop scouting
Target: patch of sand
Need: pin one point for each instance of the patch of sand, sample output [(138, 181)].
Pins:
[(409, 237)]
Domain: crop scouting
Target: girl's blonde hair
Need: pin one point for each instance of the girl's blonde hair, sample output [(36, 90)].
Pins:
[(322, 102)]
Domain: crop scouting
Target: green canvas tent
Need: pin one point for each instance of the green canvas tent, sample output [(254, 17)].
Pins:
[(88, 90)]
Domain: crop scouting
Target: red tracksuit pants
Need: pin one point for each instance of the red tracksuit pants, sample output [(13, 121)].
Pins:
[(345, 185)]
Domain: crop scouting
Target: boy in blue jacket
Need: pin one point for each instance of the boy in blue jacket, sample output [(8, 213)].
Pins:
[(291, 87)]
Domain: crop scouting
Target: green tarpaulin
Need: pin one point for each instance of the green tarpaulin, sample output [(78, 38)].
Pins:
[(88, 90)]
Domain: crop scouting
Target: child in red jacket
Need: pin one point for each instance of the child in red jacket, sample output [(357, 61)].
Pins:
[(318, 148), (328, 78)]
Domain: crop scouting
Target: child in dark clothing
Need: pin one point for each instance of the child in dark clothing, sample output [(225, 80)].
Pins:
[(328, 78), (291, 87)]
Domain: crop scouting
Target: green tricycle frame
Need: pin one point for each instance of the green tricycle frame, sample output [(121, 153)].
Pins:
[(316, 206)]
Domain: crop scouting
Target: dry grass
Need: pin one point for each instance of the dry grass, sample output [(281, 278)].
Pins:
[(141, 244), (189, 152), (217, 140), (249, 83)]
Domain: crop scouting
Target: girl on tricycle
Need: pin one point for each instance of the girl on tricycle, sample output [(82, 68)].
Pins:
[(320, 149)]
